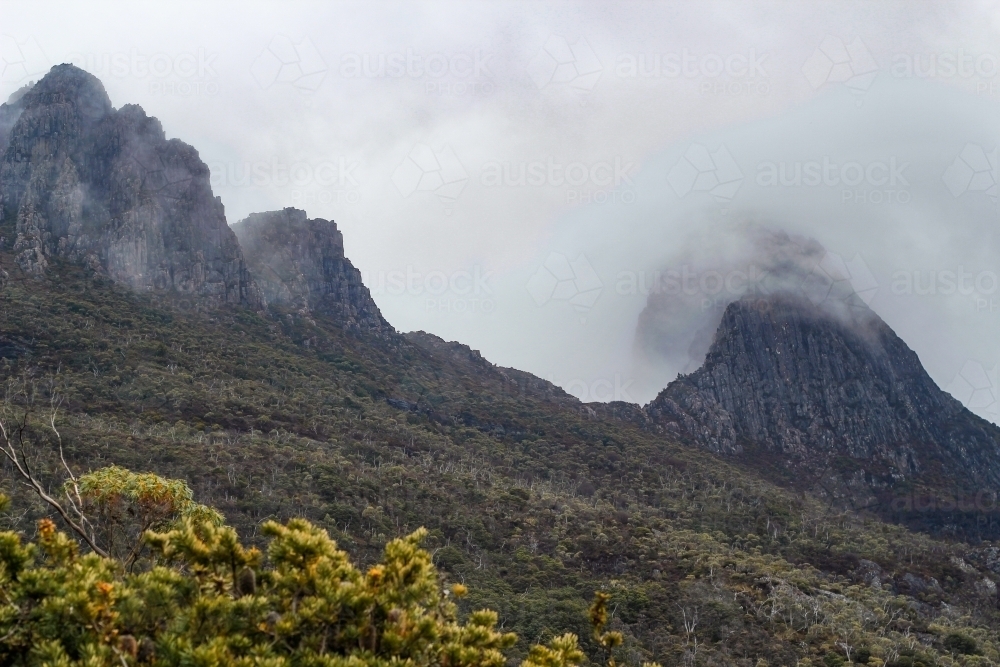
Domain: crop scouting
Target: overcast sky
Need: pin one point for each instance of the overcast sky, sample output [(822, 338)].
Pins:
[(517, 176)]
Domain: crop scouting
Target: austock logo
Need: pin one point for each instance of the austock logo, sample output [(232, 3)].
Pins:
[(833, 61), (597, 182), (600, 390), (834, 279), (739, 74), (562, 279), (688, 65), (702, 170), (323, 182), (191, 67), (830, 279), (415, 65), (974, 170), (983, 501), (872, 182), (461, 291), (443, 74), (183, 74), (955, 65), (977, 388), (426, 170), (561, 63), (978, 287), (549, 172), (297, 64)]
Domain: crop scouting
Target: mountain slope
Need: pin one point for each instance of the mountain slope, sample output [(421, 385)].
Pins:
[(531, 500)]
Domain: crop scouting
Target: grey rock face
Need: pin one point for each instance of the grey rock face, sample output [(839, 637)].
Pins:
[(299, 263), (785, 377), (83, 181)]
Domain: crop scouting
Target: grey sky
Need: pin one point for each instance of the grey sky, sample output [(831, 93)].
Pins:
[(649, 136)]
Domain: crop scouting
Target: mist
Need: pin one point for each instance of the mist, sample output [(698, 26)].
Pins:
[(888, 195), (579, 191), (905, 235)]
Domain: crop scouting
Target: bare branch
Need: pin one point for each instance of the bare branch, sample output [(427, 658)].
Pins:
[(17, 454)]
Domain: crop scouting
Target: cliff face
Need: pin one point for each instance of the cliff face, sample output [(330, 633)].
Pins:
[(822, 392), (83, 181), (299, 263)]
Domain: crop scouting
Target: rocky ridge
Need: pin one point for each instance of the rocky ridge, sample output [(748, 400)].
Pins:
[(299, 263), (829, 394), (83, 181)]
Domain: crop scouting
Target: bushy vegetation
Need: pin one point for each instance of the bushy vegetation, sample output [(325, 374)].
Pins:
[(207, 600), (529, 499)]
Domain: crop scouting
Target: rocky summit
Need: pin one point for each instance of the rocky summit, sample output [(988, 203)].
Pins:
[(299, 263), (834, 393), (83, 181)]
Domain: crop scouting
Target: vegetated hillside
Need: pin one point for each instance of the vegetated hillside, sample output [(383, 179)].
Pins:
[(531, 500)]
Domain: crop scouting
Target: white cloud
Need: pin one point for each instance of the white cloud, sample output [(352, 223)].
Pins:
[(277, 97)]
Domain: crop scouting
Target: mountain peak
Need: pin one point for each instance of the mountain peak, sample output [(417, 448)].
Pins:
[(827, 391), (299, 263), (68, 84), (82, 182)]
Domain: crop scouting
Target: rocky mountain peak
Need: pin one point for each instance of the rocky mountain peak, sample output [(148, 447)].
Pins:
[(299, 263), (828, 392), (74, 88), (82, 181)]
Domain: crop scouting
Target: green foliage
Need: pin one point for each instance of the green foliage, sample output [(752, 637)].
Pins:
[(207, 600), (959, 643), (124, 505), (560, 651), (116, 492), (608, 640)]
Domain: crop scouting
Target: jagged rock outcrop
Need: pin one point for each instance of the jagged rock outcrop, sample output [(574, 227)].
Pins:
[(83, 181), (822, 391), (299, 263)]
